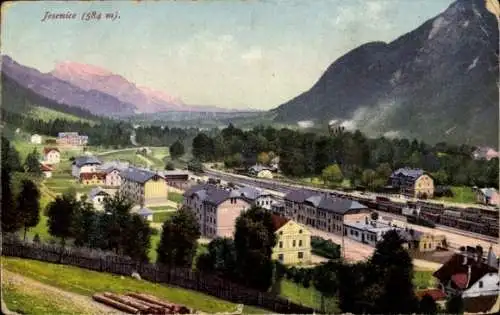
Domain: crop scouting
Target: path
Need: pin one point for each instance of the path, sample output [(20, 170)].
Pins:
[(84, 303)]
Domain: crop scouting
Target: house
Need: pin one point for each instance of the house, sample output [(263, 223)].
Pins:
[(215, 208), (367, 231), (488, 196), (52, 155), (256, 197), (413, 183), (143, 187), (260, 171), (177, 179), (93, 178), (96, 197), (46, 170), (293, 242), (323, 211), (474, 278), (146, 213), (71, 139), (113, 177), (36, 139), (85, 164), (422, 242)]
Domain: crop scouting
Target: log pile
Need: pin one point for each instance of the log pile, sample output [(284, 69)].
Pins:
[(139, 303)]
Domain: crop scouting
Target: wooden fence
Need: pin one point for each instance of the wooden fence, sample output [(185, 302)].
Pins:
[(182, 277)]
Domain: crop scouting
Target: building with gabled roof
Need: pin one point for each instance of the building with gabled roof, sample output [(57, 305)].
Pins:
[(85, 164), (488, 196), (293, 241), (51, 155), (216, 208), (256, 196), (415, 183), (143, 187)]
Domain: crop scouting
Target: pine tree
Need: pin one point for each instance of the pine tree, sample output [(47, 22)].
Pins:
[(11, 220), (28, 205), (176, 150), (61, 213), (32, 164)]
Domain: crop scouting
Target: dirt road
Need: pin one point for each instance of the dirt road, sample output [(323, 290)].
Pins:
[(83, 303)]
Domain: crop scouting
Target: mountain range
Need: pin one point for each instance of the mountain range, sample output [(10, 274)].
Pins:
[(95, 89), (438, 82)]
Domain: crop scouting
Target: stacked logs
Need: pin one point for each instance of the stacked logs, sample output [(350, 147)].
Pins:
[(138, 303)]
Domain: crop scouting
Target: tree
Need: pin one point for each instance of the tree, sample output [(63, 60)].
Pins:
[(391, 265), (32, 163), (61, 214), (85, 226), (170, 166), (427, 305), (332, 174), (325, 281), (114, 223), (384, 171), (220, 258), (263, 158), (178, 239), (10, 157), (455, 305), (28, 205), (195, 166), (176, 150), (254, 240), (11, 221), (137, 238), (203, 147)]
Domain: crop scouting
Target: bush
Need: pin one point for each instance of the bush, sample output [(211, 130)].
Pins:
[(36, 239), (325, 248)]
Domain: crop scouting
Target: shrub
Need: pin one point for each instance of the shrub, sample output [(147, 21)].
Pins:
[(325, 248)]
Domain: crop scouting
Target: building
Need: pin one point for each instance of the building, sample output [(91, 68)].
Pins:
[(260, 171), (93, 178), (215, 208), (46, 170), (71, 139), (177, 179), (96, 197), (144, 187), (113, 177), (473, 277), (323, 211), (85, 164), (51, 155), (36, 139), (293, 242), (422, 242), (488, 196), (256, 197), (145, 213), (413, 183), (367, 231)]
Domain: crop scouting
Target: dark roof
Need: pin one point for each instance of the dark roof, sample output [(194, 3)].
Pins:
[(250, 193), (410, 235), (138, 175), (47, 150), (278, 221), (338, 205), (84, 160), (210, 193), (455, 265), (413, 173), (299, 195)]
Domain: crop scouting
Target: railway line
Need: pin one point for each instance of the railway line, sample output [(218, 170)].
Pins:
[(456, 237)]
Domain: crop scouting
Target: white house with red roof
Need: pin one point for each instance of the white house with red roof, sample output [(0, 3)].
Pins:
[(51, 155)]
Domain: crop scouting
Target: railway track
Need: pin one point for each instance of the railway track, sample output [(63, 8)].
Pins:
[(284, 188)]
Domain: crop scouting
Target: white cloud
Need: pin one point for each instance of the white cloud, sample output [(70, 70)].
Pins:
[(374, 15), (254, 54)]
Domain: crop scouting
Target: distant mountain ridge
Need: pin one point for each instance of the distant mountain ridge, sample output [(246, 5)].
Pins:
[(95, 89), (438, 82)]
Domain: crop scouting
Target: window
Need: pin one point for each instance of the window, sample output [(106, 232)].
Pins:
[(301, 255), (281, 244), (280, 257), (480, 284), (281, 232), (300, 231), (293, 243), (300, 243)]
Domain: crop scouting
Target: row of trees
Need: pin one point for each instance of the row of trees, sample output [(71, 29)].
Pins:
[(361, 160)]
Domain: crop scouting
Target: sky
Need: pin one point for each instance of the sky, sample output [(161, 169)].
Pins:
[(233, 54)]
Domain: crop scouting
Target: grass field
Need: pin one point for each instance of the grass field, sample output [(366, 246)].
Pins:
[(423, 279), (162, 216), (88, 282), (461, 195), (47, 114), (175, 197), (306, 296), (35, 301)]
